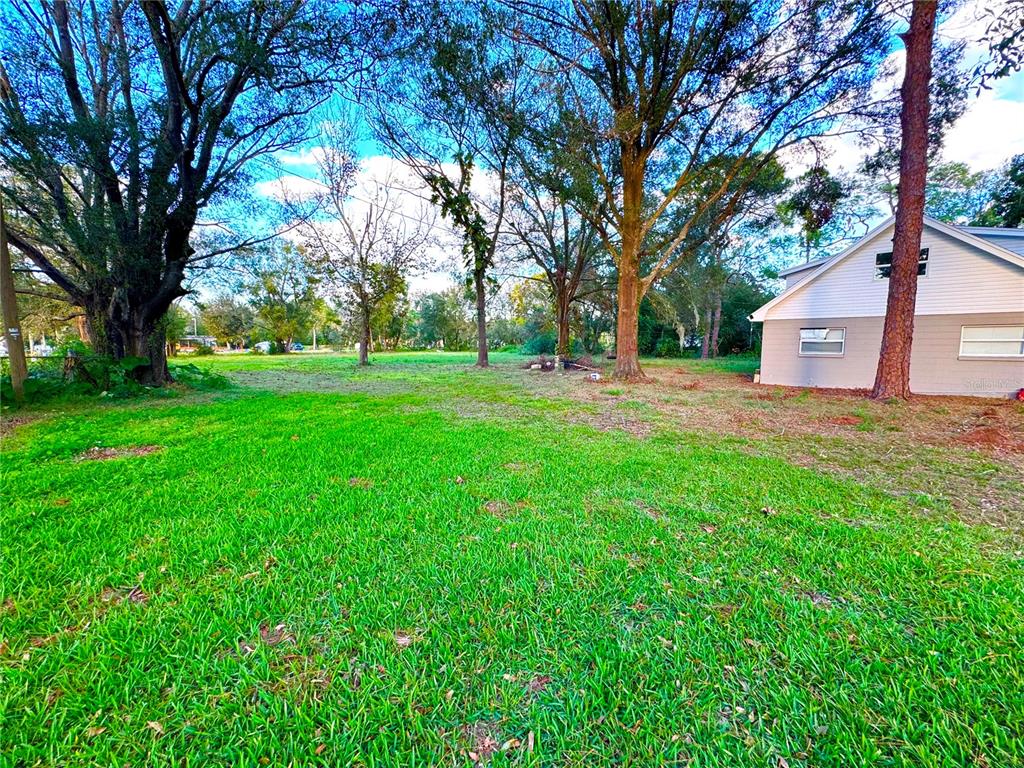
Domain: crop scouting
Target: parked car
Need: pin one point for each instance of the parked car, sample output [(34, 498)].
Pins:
[(263, 347), (297, 347)]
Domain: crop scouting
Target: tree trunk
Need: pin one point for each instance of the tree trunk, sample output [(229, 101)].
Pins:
[(627, 329), (892, 378), (364, 344), (705, 344), (716, 325), (481, 318), (152, 344), (627, 346), (562, 321)]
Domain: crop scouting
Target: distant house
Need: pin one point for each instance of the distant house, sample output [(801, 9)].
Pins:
[(825, 329), (193, 341)]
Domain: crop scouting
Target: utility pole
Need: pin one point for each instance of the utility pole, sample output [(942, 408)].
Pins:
[(12, 331)]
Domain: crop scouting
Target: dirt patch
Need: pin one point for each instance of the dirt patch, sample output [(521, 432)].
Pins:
[(993, 438), (98, 453), (846, 421), (9, 423), (922, 449)]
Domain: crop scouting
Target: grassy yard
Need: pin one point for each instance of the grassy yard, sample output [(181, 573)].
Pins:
[(427, 564)]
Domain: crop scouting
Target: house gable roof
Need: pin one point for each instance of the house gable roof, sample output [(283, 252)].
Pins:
[(957, 233)]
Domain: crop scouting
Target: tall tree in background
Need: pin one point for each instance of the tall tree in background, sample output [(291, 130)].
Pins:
[(282, 281), (1005, 208), (892, 378), (814, 200), (228, 319), (445, 101), (367, 247), (121, 121), (670, 101), (549, 233)]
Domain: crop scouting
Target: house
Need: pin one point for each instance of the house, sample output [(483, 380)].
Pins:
[(825, 329)]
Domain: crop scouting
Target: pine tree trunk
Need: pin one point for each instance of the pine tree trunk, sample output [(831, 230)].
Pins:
[(892, 379), (481, 318)]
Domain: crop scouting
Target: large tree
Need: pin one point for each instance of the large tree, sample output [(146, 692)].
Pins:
[(892, 378), (657, 92), (120, 122)]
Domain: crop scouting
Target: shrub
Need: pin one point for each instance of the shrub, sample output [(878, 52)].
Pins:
[(667, 347), (542, 344), (202, 351), (194, 377)]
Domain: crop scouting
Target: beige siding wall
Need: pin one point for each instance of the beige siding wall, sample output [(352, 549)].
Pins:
[(960, 279), (935, 367)]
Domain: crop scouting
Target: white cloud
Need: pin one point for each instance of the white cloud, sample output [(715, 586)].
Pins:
[(990, 132)]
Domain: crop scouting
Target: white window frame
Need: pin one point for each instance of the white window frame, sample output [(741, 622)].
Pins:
[(840, 353), (923, 257), (998, 355)]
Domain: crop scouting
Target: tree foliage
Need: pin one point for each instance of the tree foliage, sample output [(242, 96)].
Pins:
[(121, 122)]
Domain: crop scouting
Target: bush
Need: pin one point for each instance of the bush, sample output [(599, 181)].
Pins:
[(667, 347), (194, 377), (202, 351), (543, 344)]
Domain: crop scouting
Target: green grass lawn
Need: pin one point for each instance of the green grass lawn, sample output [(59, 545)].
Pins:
[(423, 564)]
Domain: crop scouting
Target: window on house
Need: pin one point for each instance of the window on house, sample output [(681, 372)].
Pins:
[(992, 341), (830, 342), (883, 264)]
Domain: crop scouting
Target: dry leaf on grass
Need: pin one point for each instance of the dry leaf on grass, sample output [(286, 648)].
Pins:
[(404, 639), (275, 635), (538, 683), (482, 741)]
